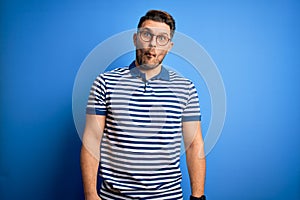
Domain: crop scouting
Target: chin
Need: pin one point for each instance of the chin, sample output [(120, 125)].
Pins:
[(151, 64)]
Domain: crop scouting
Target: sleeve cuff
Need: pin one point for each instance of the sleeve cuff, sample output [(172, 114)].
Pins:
[(191, 118), (94, 111)]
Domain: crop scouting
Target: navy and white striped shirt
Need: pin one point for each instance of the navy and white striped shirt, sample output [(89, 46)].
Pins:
[(140, 149)]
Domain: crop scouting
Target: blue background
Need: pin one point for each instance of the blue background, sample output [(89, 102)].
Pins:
[(255, 45)]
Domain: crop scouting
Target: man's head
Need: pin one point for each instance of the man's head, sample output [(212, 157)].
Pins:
[(153, 38), (159, 16)]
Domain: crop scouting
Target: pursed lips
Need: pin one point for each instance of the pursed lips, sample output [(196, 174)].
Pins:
[(150, 54)]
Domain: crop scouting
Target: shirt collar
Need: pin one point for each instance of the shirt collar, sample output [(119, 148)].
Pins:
[(163, 74)]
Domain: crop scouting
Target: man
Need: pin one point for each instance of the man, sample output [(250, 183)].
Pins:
[(137, 115)]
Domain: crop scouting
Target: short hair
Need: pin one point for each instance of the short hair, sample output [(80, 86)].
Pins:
[(159, 16)]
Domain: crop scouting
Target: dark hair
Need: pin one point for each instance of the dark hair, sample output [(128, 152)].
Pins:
[(159, 16)]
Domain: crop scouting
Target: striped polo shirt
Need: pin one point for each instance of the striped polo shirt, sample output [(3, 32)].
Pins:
[(140, 148)]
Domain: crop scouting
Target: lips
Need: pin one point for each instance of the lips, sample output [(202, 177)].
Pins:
[(150, 54)]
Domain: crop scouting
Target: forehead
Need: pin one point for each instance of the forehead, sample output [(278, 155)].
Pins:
[(156, 27)]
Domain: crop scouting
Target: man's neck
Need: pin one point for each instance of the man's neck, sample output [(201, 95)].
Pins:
[(149, 73)]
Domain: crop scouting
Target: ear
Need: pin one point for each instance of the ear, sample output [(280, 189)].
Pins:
[(170, 46), (134, 39)]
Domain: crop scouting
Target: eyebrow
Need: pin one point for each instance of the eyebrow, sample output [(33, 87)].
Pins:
[(150, 30)]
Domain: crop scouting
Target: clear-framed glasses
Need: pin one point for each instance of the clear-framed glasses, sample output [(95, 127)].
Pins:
[(161, 39)]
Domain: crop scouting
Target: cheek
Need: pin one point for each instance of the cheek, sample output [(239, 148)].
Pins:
[(161, 53), (140, 45), (139, 51)]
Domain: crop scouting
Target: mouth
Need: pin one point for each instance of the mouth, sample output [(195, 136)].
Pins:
[(150, 54)]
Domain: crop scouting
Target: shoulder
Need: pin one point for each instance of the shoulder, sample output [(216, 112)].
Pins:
[(179, 79), (115, 73), (121, 71), (111, 76)]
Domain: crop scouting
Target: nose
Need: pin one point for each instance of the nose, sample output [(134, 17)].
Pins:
[(153, 41)]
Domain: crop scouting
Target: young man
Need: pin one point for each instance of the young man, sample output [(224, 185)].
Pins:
[(136, 117)]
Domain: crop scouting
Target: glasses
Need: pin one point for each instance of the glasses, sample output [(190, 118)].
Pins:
[(161, 39)]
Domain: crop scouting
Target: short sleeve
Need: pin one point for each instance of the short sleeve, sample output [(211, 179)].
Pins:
[(96, 104), (191, 111)]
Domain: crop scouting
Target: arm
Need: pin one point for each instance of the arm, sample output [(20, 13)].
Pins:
[(195, 156), (90, 154)]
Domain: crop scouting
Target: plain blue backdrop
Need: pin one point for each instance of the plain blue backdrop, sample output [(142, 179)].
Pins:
[(255, 45)]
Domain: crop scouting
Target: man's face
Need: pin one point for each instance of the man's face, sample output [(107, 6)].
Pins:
[(152, 43)]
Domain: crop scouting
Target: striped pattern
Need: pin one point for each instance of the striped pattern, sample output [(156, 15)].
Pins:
[(140, 149)]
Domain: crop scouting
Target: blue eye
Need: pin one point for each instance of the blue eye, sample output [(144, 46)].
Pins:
[(162, 37), (146, 34)]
